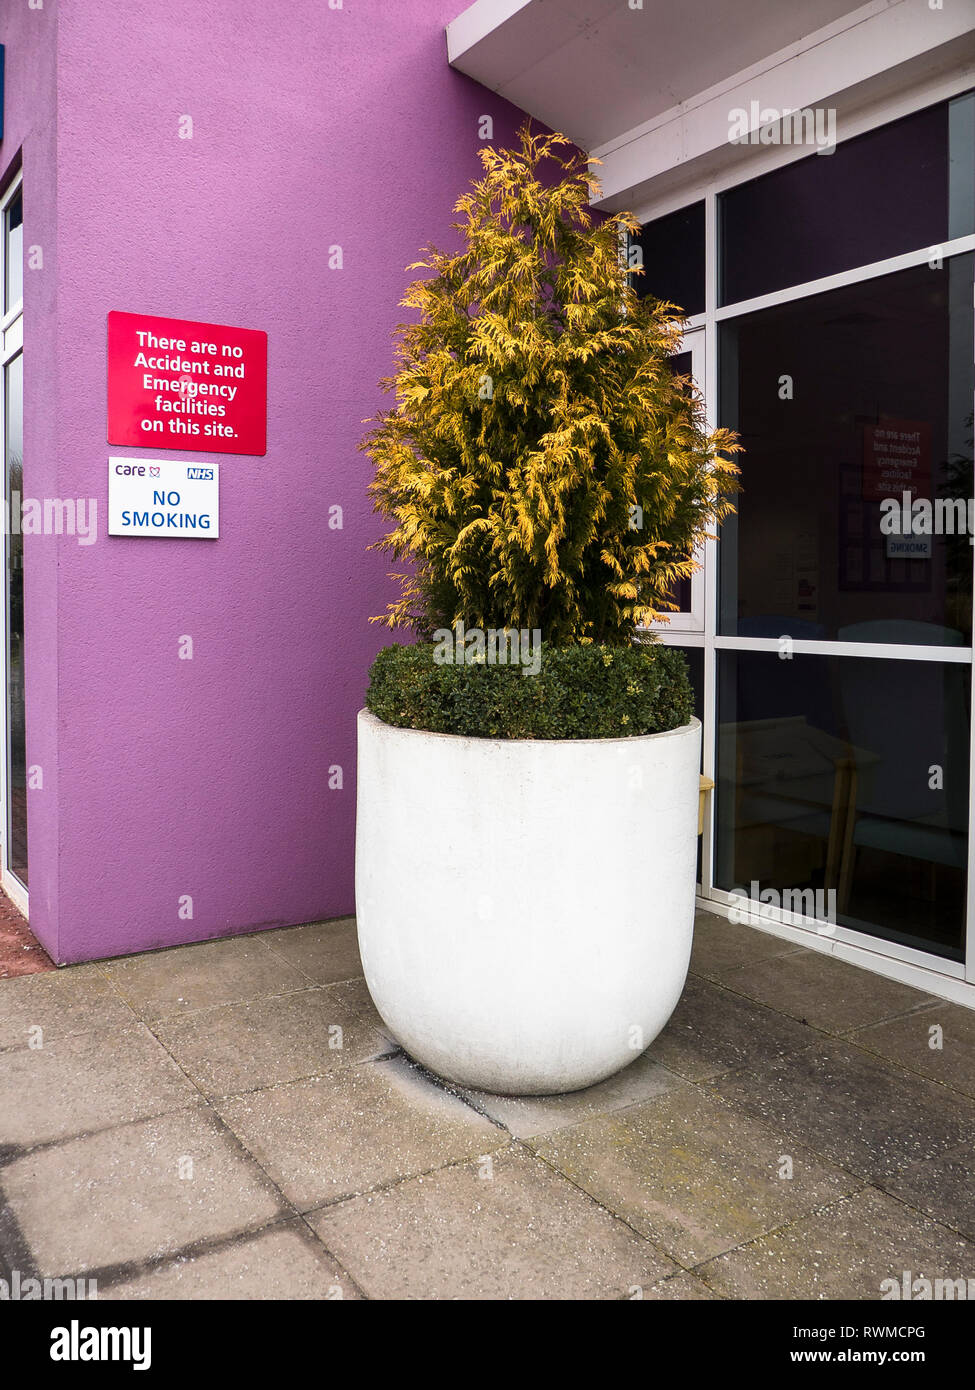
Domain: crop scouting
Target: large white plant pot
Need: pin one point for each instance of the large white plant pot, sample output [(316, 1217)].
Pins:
[(525, 907)]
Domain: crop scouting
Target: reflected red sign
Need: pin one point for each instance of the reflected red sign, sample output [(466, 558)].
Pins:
[(177, 384), (896, 459)]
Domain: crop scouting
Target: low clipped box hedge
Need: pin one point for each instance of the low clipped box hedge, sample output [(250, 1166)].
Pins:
[(585, 691)]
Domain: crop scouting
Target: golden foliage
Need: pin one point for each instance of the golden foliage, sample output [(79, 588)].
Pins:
[(543, 466)]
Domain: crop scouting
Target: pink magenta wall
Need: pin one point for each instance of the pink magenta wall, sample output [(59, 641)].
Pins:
[(312, 127)]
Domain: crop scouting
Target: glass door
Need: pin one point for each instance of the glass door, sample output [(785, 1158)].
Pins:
[(845, 612), (831, 651)]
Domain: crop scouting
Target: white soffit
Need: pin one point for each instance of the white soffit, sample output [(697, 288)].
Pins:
[(596, 68), (650, 89)]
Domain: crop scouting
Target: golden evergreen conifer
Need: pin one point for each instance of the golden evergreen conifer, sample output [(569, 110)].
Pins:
[(543, 466)]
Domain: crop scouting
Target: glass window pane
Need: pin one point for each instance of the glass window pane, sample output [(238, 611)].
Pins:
[(673, 259), (681, 364), (845, 402), (826, 786), (16, 752), (961, 167), (14, 260), (876, 196), (695, 669)]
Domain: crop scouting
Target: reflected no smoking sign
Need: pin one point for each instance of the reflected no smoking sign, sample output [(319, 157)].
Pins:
[(178, 384)]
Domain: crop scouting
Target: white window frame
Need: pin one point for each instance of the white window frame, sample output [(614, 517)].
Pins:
[(950, 979), (11, 346)]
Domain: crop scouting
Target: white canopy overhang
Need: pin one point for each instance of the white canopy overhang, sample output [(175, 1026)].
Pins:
[(647, 85)]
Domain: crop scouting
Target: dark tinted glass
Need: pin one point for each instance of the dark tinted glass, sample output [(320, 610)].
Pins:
[(875, 196), (673, 259), (961, 169), (14, 233), (843, 401), (680, 365), (695, 668), (847, 776)]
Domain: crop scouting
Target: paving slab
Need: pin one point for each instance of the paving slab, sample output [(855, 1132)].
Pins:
[(681, 1288), (692, 1174), (846, 1251), (240, 1047), (524, 1116), (184, 978), (721, 945), (937, 1041), (942, 1187), (857, 1110), (76, 999), (85, 1082), (282, 1261), (713, 1030), (355, 1129), (828, 993), (326, 952), (510, 1229), (136, 1192)]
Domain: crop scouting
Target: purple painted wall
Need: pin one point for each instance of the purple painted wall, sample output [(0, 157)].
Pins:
[(311, 127)]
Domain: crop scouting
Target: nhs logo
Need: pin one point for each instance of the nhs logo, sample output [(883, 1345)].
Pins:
[(202, 475)]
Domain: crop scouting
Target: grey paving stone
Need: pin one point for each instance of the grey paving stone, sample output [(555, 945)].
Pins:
[(184, 978), (85, 1082), (511, 1229), (528, 1115), (828, 993), (908, 1042), (682, 1288), (355, 1129), (846, 1251), (282, 1261), (136, 1192), (326, 952), (76, 999), (692, 1174), (713, 1030), (854, 1108), (942, 1187), (240, 1047), (720, 945)]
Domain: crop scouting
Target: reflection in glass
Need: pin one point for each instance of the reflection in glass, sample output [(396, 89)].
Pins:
[(673, 259), (844, 402), (961, 165), (849, 776), (681, 364), (895, 189), (695, 669), (16, 819), (14, 259)]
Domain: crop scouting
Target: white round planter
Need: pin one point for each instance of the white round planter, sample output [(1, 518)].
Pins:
[(525, 907)]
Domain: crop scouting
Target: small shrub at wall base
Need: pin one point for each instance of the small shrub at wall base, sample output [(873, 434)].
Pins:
[(580, 692)]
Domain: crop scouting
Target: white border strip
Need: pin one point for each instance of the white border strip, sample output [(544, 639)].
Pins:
[(957, 247), (882, 651)]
